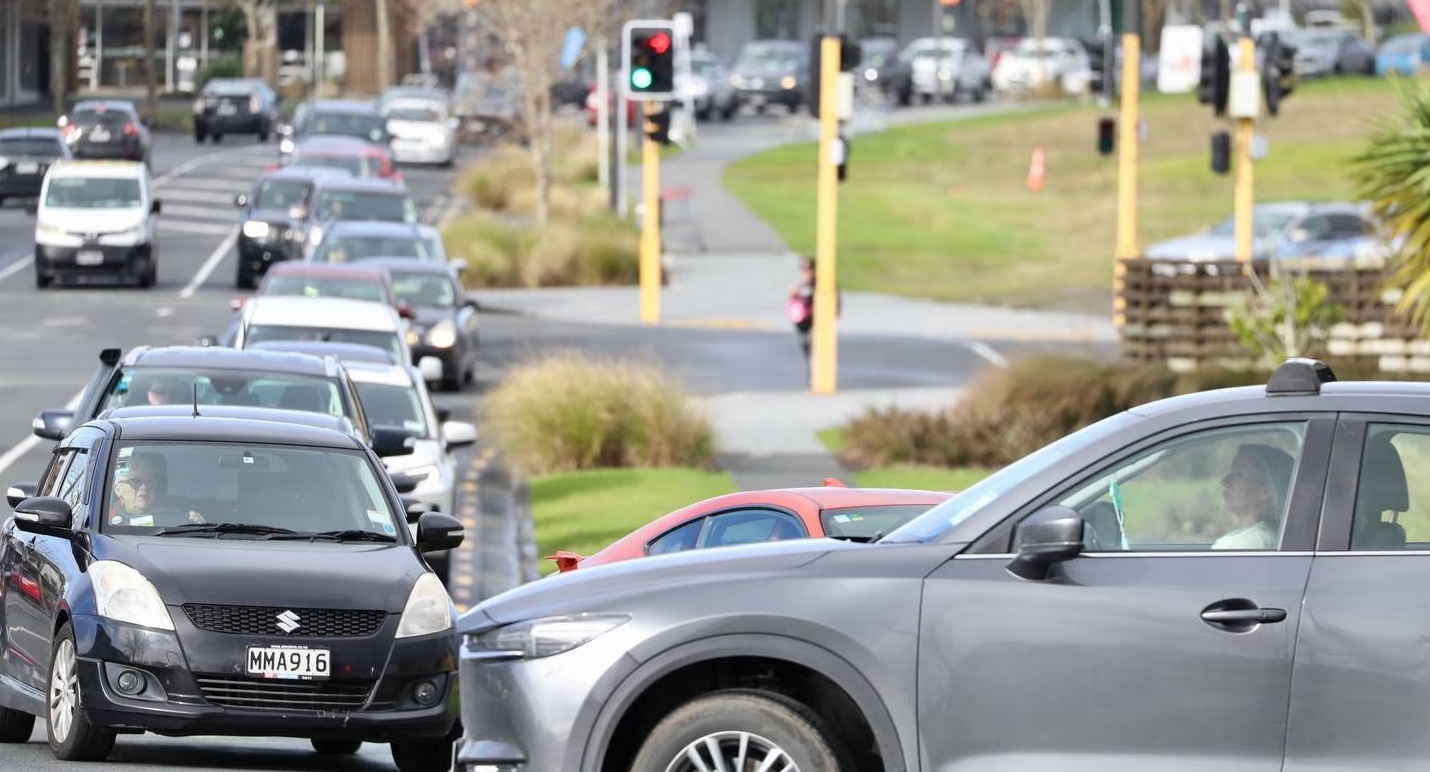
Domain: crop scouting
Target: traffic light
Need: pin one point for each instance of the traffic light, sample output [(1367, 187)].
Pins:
[(1221, 152), (648, 49), (1278, 71), (1106, 133), (1214, 88), (657, 126), (1102, 55), (850, 54)]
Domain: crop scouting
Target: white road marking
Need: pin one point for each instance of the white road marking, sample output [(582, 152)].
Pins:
[(16, 452), (210, 264), (203, 229), (987, 353), (232, 186), (17, 266), (163, 312), (208, 212), (223, 200)]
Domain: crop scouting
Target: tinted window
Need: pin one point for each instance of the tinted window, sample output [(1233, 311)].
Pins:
[(166, 386), (229, 88), (40, 146), (108, 117), (362, 205), (679, 540), (387, 341), (281, 194), (751, 526), (93, 193), (155, 485), (360, 125), (424, 290), (348, 249), (868, 522), (398, 406), (324, 287)]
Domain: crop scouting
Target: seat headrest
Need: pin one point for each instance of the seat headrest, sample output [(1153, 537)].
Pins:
[(1383, 486)]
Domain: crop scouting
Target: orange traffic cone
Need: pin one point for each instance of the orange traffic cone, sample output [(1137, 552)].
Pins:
[(1037, 173)]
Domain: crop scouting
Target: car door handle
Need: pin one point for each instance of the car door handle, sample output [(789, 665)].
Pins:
[(1245, 616)]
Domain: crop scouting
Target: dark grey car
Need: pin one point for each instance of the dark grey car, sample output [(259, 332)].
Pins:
[(1228, 580)]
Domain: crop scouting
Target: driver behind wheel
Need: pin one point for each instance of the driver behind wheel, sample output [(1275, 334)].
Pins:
[(141, 483)]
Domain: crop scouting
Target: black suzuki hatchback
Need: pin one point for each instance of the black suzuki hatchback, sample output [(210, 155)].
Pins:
[(224, 575)]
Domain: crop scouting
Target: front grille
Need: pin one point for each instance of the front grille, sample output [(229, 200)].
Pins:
[(263, 620), (263, 694)]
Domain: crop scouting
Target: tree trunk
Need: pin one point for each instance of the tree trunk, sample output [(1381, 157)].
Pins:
[(384, 46), (59, 79), (151, 84), (1367, 16), (255, 40)]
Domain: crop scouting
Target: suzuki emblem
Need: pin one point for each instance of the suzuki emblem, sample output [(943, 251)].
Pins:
[(288, 621)]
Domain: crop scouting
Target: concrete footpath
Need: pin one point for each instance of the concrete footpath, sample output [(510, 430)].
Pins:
[(729, 270)]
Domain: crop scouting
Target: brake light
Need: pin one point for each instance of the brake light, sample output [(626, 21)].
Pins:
[(130, 130)]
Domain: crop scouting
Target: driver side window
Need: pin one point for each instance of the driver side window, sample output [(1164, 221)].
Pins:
[(1211, 490)]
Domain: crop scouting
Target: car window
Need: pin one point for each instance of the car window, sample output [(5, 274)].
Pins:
[(1348, 226), (387, 341), (160, 484), (425, 290), (1392, 509), (360, 125), (30, 146), (49, 484), (281, 194), (418, 114), (398, 406), (868, 523), (353, 165), (348, 249), (324, 287), (686, 537), (1216, 489), (93, 193), (363, 205), (1316, 227), (168, 386), (748, 526)]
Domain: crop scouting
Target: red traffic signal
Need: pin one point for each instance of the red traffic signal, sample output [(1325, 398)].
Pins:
[(659, 42)]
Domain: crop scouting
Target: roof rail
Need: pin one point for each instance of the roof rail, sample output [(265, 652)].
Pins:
[(1299, 375)]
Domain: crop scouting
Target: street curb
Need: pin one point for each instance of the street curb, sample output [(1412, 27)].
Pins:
[(499, 552)]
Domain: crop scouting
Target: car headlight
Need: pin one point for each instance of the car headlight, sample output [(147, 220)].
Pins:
[(443, 334), (124, 595), (286, 146), (548, 636), (429, 609), (788, 81), (256, 229), (871, 74), (315, 234), (49, 229)]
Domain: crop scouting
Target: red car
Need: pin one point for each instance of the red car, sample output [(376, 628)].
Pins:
[(769, 515)]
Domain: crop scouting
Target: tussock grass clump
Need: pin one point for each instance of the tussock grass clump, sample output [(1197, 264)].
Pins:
[(599, 249), (570, 411)]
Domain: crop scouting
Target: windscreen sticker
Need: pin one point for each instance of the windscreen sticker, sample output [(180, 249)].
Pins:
[(376, 516), (841, 518), (126, 452), (116, 520), (123, 387), (142, 521), (388, 529)]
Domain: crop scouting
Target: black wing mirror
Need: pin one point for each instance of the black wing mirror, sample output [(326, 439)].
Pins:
[(18, 492), (47, 514), (240, 200), (391, 441), (52, 424), (1050, 535), (157, 206), (437, 531), (403, 482), (415, 508)]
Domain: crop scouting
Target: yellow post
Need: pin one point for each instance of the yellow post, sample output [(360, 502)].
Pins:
[(1127, 158), (650, 221), (1245, 191), (823, 356)]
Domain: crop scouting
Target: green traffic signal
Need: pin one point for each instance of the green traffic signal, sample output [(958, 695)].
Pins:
[(641, 78)]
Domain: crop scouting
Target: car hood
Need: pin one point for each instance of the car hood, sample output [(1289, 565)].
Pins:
[(604, 585), (93, 220), (247, 572)]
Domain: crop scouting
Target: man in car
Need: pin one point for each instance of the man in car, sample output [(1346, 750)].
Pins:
[(140, 483)]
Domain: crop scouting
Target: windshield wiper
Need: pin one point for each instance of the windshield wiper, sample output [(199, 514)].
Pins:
[(218, 529), (351, 534)]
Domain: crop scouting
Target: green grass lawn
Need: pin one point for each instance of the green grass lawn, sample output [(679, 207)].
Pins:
[(914, 477), (943, 211), (586, 511)]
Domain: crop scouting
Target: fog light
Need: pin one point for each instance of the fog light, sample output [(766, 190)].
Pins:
[(129, 682), (425, 692)]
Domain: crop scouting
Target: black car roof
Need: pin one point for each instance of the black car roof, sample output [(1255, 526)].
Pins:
[(225, 358), (409, 265), (186, 428), (30, 131)]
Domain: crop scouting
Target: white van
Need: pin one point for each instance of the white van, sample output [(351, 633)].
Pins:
[(96, 218)]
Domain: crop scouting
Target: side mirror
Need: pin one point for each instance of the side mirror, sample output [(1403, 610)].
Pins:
[(390, 441), (565, 560), (403, 482), (459, 434), (1050, 535), (431, 368), (156, 206), (437, 531), (208, 340), (405, 311), (18, 492), (443, 413), (52, 424), (44, 514), (458, 264), (415, 509), (32, 208), (240, 200)]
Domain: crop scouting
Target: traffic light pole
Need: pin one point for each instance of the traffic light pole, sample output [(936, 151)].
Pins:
[(1131, 90), (650, 220), (1245, 191), (823, 360)]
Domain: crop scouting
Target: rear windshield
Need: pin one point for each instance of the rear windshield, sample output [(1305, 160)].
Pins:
[(354, 166), (39, 146), (229, 88), (324, 287), (347, 249), (364, 205), (361, 125), (175, 386), (93, 193), (387, 341), (89, 117)]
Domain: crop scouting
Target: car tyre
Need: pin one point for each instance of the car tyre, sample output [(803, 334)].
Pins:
[(337, 747), (199, 136), (151, 275), (423, 755), (72, 737), (217, 138), (731, 716), (42, 279), (16, 726)]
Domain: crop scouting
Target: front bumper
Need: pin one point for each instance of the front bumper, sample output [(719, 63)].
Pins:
[(536, 715), (130, 260), (195, 683), (255, 256)]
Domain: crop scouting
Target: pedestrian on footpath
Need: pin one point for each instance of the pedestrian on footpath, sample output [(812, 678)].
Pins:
[(800, 306)]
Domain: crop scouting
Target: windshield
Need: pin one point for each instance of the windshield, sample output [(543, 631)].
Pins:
[(368, 126), (324, 287), (387, 341), (770, 58), (281, 194), (420, 114), (48, 148), (348, 249), (175, 386), (868, 523), (362, 205), (933, 524), (93, 193), (1263, 224), (397, 406), (158, 485), (353, 165), (424, 290), (114, 119), (229, 88)]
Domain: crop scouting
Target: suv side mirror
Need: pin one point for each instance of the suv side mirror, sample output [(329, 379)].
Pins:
[(157, 206), (415, 509), (390, 441), (403, 482), (1050, 535), (18, 492), (240, 200), (52, 424), (45, 514), (437, 531), (459, 434)]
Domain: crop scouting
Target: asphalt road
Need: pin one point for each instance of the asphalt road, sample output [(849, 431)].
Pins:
[(50, 341)]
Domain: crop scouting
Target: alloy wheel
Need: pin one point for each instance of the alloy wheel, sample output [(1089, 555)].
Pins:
[(64, 691), (732, 752)]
